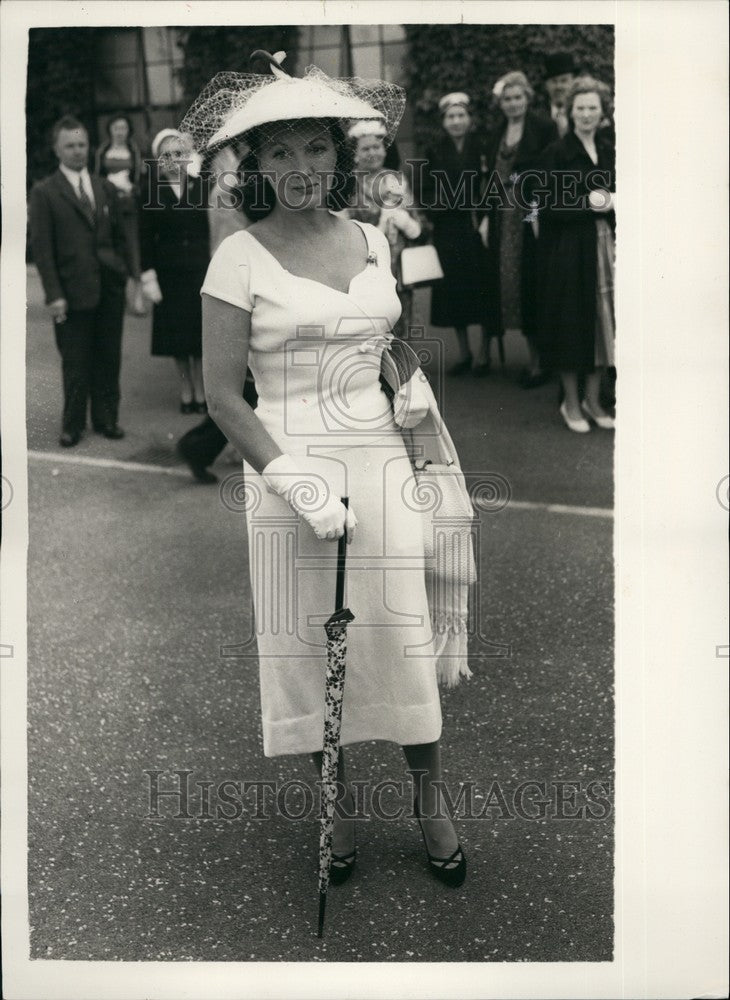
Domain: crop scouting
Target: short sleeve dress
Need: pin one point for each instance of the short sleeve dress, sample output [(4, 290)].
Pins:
[(315, 355)]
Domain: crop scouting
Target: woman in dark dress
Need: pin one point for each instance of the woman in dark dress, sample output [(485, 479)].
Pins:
[(176, 246), (577, 224), (514, 147), (450, 191), (120, 161)]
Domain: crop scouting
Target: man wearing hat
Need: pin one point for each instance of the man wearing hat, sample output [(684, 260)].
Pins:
[(560, 73), (80, 250)]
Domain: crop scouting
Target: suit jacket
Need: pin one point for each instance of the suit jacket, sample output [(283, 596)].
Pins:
[(70, 252)]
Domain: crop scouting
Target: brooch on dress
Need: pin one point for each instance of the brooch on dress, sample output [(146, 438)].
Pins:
[(372, 258)]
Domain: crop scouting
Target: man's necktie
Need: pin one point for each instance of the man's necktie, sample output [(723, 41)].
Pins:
[(561, 120), (86, 203)]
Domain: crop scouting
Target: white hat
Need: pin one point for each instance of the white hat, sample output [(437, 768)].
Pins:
[(457, 99), (165, 133), (193, 160), (234, 103), (291, 99), (372, 127)]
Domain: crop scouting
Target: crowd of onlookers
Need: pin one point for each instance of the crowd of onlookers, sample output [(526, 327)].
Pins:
[(519, 248)]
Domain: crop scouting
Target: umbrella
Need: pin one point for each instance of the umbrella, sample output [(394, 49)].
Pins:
[(334, 689)]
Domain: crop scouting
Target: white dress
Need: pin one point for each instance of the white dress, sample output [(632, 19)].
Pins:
[(315, 356)]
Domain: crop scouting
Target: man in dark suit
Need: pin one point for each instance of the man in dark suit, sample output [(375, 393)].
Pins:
[(80, 251), (560, 72)]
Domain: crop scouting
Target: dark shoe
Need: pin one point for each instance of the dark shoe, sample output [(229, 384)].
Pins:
[(190, 407), (112, 431), (201, 407), (479, 371), (202, 474), (69, 439), (461, 367), (343, 865), (449, 876), (198, 470), (532, 380)]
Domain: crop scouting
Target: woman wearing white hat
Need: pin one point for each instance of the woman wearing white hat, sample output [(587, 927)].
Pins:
[(175, 244), (306, 298), (383, 198), (450, 194)]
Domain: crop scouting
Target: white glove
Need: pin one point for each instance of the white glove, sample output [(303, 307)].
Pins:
[(194, 164), (410, 227), (484, 230), (120, 179), (310, 497), (601, 200), (150, 288), (410, 403)]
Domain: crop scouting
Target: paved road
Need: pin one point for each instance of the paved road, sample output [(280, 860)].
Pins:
[(137, 578)]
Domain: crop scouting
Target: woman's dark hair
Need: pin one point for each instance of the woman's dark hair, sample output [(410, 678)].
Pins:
[(588, 85), (259, 197), (119, 118), (137, 164)]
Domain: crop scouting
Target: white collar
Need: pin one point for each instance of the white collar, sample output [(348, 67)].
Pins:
[(74, 175)]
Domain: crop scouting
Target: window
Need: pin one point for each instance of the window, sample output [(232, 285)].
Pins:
[(136, 75), (372, 50), (118, 77)]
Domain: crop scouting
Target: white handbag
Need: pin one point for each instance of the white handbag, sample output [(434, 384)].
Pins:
[(420, 266)]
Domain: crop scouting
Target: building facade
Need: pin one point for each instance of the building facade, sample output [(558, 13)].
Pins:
[(138, 70)]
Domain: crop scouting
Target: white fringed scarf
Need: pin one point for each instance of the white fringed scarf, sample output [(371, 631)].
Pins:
[(450, 565)]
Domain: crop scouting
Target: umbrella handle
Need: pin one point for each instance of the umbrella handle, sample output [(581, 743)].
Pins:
[(341, 554)]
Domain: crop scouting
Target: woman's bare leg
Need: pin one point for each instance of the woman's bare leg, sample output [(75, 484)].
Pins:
[(483, 354), (462, 339), (424, 763), (186, 388), (196, 374), (570, 395), (593, 387)]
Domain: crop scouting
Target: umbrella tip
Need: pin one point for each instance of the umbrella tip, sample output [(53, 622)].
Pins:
[(322, 904)]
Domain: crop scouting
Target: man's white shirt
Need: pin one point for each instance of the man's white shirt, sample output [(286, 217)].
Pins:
[(73, 178)]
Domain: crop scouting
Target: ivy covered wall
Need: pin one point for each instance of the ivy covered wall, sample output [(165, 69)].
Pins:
[(60, 82), (472, 57)]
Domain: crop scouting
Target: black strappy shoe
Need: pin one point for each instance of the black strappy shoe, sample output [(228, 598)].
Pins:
[(343, 865), (449, 876)]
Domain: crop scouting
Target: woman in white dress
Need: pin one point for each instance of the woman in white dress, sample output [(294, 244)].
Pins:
[(306, 299)]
